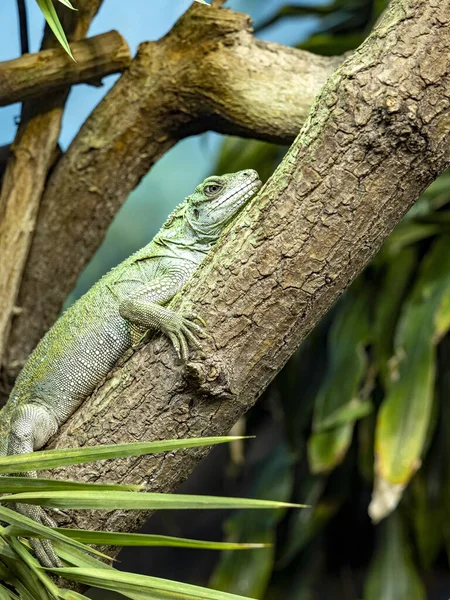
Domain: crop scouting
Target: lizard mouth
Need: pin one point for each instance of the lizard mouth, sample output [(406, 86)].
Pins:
[(241, 196), (247, 192)]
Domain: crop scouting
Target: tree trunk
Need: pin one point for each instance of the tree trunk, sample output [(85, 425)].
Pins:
[(378, 134)]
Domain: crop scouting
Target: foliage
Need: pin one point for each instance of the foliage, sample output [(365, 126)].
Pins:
[(22, 577)]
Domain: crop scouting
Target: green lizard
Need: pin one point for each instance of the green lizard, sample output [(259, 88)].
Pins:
[(88, 339)]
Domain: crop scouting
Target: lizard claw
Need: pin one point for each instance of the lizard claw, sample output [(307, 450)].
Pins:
[(184, 332), (43, 549), (195, 317)]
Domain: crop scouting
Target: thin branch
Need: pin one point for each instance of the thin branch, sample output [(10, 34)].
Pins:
[(50, 70), (23, 26)]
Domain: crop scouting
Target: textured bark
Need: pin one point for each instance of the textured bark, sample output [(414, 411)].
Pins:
[(31, 157), (379, 133), (33, 75), (209, 72)]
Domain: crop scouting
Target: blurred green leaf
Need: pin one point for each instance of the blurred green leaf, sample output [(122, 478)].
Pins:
[(6, 594), (67, 3), (393, 575), (339, 402), (302, 530), (429, 491), (404, 416), (397, 275), (237, 153), (297, 385), (71, 595), (248, 573)]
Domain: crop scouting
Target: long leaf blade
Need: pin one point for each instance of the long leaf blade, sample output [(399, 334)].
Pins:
[(54, 23), (12, 485), (128, 583), (137, 501), (111, 538), (49, 459)]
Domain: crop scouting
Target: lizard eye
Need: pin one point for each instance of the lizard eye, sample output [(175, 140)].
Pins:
[(212, 189)]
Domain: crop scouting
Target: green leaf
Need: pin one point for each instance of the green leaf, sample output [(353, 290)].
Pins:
[(110, 538), (5, 549), (52, 19), (71, 595), (6, 594), (10, 485), (339, 402), (34, 567), (406, 234), (404, 416), (49, 459), (428, 497), (142, 586), (238, 153), (305, 526), (67, 3), (31, 528), (397, 275), (392, 574), (25, 580), (249, 573), (137, 501)]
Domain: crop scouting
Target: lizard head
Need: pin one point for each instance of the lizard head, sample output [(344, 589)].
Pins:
[(217, 200)]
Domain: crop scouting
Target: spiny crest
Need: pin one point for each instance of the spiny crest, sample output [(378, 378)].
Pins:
[(178, 212)]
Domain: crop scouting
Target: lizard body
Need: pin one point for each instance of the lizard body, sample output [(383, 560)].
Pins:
[(88, 339)]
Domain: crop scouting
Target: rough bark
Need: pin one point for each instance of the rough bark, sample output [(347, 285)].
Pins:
[(378, 134), (209, 72), (31, 157), (33, 75)]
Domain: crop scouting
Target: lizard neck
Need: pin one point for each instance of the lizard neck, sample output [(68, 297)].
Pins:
[(186, 243)]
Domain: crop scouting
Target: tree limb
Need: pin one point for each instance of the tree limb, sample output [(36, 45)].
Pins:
[(378, 135), (49, 70), (31, 156), (209, 72)]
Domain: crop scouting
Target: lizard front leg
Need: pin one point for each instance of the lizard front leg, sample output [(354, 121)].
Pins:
[(32, 425), (179, 328)]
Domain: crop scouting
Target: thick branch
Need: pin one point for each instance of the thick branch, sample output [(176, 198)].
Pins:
[(31, 157), (209, 72), (32, 75), (378, 135)]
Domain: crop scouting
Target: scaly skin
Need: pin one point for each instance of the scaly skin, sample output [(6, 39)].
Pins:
[(89, 338)]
